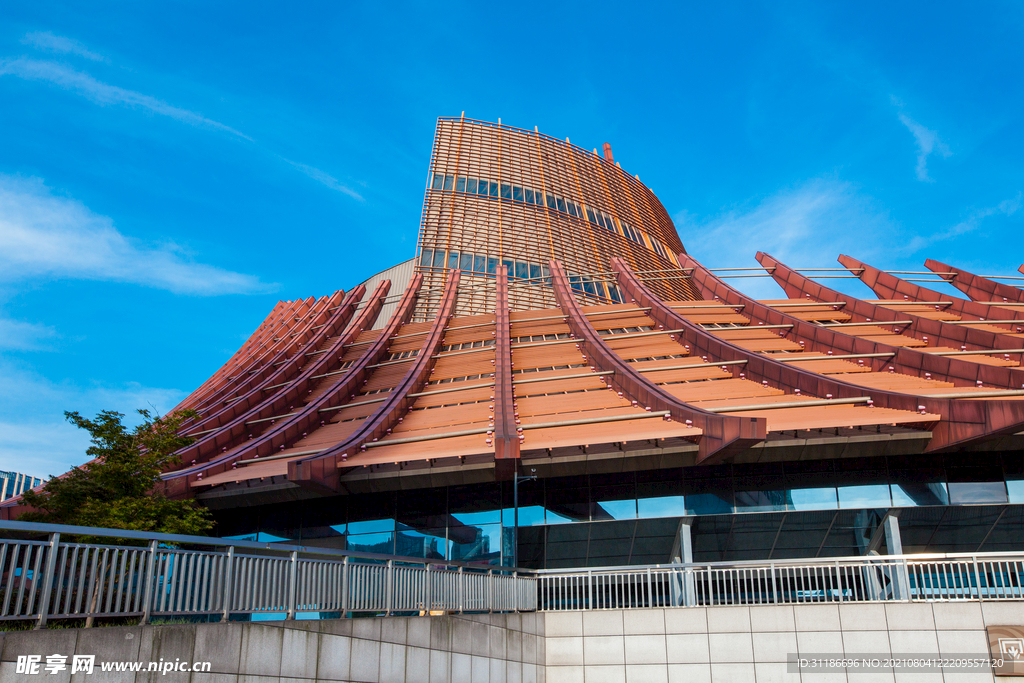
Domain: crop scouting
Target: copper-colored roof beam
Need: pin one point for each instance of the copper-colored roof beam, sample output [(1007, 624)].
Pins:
[(909, 360), (235, 432), (977, 287), (888, 286), (721, 435), (962, 422), (506, 438), (321, 471)]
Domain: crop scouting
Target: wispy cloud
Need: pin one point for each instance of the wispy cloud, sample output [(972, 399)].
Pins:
[(48, 42), (928, 142), (35, 438), (325, 179), (972, 222), (17, 335), (101, 93), (801, 225), (42, 234)]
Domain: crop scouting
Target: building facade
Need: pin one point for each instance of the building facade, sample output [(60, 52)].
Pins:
[(552, 380)]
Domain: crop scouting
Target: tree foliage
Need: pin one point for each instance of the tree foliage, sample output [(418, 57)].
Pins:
[(117, 489)]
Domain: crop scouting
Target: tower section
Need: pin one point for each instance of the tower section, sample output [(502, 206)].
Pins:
[(502, 195)]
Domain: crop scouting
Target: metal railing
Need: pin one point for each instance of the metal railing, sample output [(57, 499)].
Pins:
[(55, 579), (915, 578)]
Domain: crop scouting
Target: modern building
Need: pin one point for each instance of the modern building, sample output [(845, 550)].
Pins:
[(553, 380), (15, 483)]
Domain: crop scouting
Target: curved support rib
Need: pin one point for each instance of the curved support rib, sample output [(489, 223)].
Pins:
[(798, 286), (888, 286), (963, 421), (722, 436), (321, 470), (234, 432), (506, 437), (282, 368), (976, 287)]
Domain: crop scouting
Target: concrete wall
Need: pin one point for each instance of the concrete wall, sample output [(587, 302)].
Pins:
[(751, 644), (500, 648)]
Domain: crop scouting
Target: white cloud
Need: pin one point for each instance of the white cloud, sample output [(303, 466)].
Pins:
[(803, 226), (17, 335), (48, 42), (972, 222), (42, 234), (927, 143), (103, 93), (35, 438), (325, 179)]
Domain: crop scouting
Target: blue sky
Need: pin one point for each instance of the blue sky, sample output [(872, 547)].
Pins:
[(168, 172)]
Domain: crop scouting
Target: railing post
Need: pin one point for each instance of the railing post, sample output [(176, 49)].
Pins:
[(460, 580), (428, 593), (229, 575), (590, 588), (389, 584), (346, 571), (489, 591), (650, 589), (149, 587), (775, 587), (293, 580), (977, 577), (839, 582), (44, 597)]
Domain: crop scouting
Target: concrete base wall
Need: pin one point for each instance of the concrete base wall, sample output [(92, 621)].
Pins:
[(499, 648), (752, 644)]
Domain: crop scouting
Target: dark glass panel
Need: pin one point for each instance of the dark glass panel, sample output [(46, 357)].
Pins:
[(917, 480), (460, 184), (560, 203), (963, 528), (551, 201), (1013, 471), (708, 490), (494, 189), (506, 191), (851, 533), (510, 267), (759, 488), (863, 483), (531, 547), (382, 542), (492, 265), (531, 505), (575, 281), (529, 196), (802, 534), (572, 209), (811, 485), (567, 545), (522, 270), (475, 505), (471, 185), (567, 500), (660, 494), (429, 543), (422, 509), (477, 543), (612, 497), (1008, 533), (974, 480), (517, 193), (590, 216), (283, 523), (610, 543), (482, 187), (589, 287), (535, 271)]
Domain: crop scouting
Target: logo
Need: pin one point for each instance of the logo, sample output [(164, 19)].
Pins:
[(1006, 647), (1012, 648)]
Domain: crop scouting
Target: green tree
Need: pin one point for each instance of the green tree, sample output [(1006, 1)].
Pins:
[(117, 489)]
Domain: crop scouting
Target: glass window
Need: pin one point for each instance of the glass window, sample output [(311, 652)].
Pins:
[(589, 287), (517, 193), (430, 543), (371, 526), (453, 259), (480, 264), (492, 265), (613, 293), (914, 494), (471, 185), (460, 184), (575, 282), (546, 274), (383, 543), (529, 196), (560, 203), (522, 270), (551, 201), (1013, 469), (572, 209), (962, 492), (438, 181), (476, 543), (494, 190), (439, 258), (466, 262), (506, 191), (535, 271), (600, 220), (482, 187), (866, 496), (426, 257), (590, 216), (449, 180), (510, 268)]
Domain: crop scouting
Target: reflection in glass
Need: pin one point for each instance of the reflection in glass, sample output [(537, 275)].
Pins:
[(977, 492), (466, 262), (383, 543), (762, 501), (471, 185), (917, 494), (867, 496), (460, 184), (661, 506), (476, 543), (371, 526), (814, 499), (614, 509), (453, 259), (1015, 490), (480, 264), (517, 193), (529, 196)]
